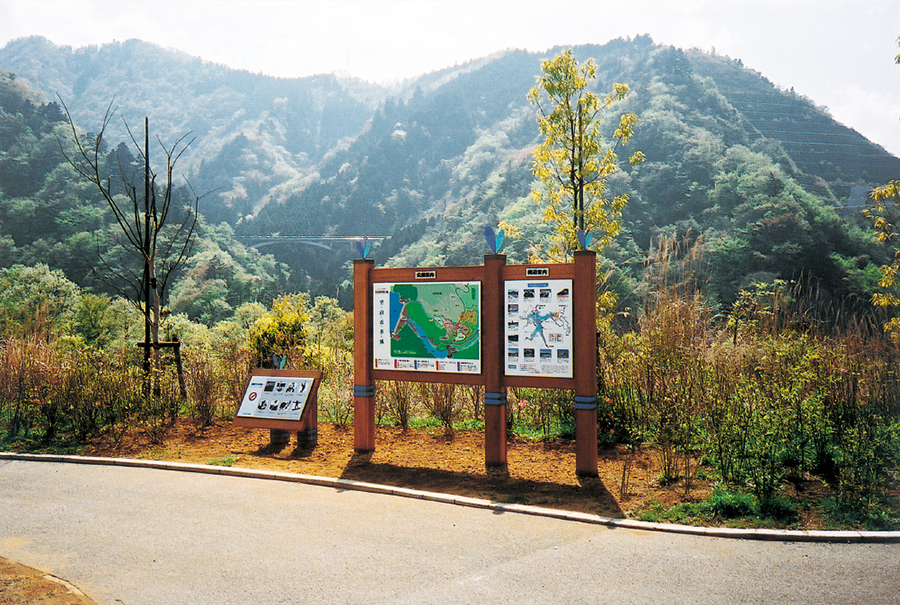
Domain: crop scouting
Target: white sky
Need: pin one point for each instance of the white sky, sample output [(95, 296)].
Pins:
[(839, 53)]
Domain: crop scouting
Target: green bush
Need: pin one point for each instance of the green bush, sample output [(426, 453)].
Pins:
[(867, 456), (730, 505), (873, 515), (778, 508)]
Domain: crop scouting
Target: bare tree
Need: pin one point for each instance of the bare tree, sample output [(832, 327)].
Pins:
[(143, 212)]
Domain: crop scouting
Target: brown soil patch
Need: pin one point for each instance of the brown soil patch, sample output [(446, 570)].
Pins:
[(539, 473), (21, 585)]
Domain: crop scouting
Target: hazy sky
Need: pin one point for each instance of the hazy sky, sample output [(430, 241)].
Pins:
[(839, 53)]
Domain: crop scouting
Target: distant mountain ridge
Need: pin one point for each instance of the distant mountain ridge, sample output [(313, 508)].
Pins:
[(293, 122), (434, 159)]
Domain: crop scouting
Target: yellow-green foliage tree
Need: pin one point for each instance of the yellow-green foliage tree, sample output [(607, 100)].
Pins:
[(283, 332), (885, 203), (572, 163)]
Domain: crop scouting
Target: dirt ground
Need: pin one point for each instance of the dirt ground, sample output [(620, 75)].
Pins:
[(539, 473), (21, 585)]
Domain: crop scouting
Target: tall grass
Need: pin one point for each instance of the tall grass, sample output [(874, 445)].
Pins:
[(47, 388), (58, 388)]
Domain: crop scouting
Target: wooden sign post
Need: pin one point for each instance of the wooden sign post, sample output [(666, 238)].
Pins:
[(495, 400), (496, 325), (364, 383), (584, 311)]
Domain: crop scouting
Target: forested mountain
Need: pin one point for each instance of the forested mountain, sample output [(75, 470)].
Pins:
[(762, 174), (253, 133)]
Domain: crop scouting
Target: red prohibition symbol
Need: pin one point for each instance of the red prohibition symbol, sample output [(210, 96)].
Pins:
[(252, 396)]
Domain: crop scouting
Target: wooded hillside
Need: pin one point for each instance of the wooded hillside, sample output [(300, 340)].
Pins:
[(763, 175)]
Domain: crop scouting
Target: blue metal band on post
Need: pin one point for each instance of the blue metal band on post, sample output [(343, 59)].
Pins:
[(365, 390), (495, 399), (585, 403)]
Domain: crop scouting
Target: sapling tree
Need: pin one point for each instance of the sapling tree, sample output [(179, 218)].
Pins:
[(572, 163), (884, 211), (157, 231)]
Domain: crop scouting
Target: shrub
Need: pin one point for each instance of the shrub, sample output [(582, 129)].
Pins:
[(865, 457), (398, 398), (730, 505), (441, 402), (542, 413), (282, 332), (336, 388), (779, 508), (204, 390)]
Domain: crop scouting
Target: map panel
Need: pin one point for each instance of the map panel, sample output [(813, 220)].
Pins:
[(434, 327), (538, 328)]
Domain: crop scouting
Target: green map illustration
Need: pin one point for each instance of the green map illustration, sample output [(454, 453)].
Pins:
[(435, 321)]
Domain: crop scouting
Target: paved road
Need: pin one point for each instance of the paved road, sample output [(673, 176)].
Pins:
[(142, 536)]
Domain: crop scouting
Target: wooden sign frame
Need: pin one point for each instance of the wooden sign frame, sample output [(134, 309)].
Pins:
[(307, 427), (492, 276)]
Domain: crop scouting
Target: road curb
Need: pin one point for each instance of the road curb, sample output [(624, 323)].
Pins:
[(868, 537)]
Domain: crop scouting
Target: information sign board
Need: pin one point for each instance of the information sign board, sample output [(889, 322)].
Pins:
[(538, 317), (427, 326), (497, 326), (276, 397)]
